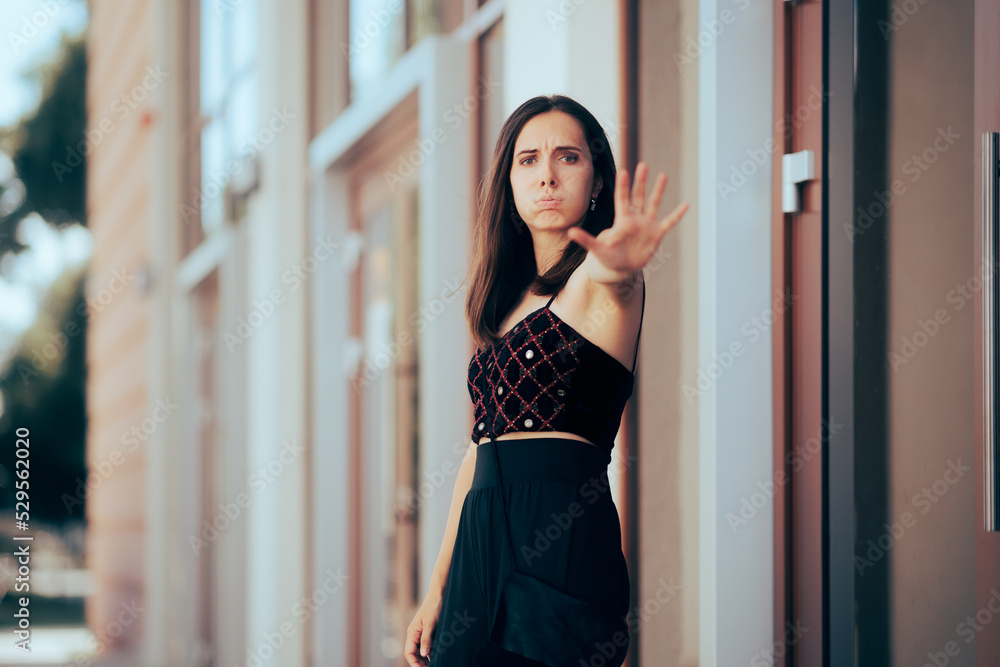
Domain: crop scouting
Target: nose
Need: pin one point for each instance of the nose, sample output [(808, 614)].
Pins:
[(547, 175)]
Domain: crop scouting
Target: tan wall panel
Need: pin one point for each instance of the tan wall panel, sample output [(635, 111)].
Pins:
[(112, 314), (127, 144), (112, 456), (119, 499), (116, 560), (116, 383), (124, 327), (113, 421), (118, 178), (117, 144), (125, 189), (122, 26), (668, 422)]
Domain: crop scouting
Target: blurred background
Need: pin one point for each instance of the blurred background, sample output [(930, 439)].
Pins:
[(234, 237)]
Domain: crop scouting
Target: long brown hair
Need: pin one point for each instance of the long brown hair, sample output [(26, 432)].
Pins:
[(502, 262)]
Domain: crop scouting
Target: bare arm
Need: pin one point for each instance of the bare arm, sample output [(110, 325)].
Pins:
[(462, 484)]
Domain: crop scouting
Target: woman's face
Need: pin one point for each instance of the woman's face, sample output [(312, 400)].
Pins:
[(552, 176)]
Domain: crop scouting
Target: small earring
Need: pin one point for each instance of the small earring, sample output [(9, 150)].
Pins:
[(593, 203)]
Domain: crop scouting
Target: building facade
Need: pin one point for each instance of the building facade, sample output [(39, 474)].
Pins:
[(294, 186)]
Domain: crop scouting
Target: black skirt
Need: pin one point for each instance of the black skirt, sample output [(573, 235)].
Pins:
[(564, 528)]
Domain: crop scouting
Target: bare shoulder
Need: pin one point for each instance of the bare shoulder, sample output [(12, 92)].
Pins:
[(607, 314)]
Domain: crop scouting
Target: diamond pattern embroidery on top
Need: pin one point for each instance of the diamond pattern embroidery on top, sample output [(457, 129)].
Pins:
[(526, 373)]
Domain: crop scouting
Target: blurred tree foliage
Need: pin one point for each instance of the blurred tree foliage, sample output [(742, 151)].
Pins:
[(43, 389), (48, 148), (43, 385)]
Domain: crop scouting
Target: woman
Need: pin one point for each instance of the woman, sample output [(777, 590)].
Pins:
[(556, 221)]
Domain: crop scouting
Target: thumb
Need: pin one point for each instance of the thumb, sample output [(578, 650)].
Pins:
[(413, 639), (425, 639), (582, 237)]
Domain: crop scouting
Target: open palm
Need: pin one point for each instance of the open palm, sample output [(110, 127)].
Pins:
[(635, 234)]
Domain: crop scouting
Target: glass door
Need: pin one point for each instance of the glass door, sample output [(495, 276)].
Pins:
[(909, 563)]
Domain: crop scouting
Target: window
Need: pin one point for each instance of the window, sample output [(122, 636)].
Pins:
[(378, 39), (381, 31), (223, 130), (491, 116), (387, 404)]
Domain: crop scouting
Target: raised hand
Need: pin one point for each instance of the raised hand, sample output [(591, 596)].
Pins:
[(633, 238)]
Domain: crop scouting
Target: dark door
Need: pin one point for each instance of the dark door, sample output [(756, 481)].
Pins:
[(886, 421)]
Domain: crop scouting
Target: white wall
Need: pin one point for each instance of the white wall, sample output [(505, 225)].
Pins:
[(444, 225), (550, 47), (735, 93), (276, 366)]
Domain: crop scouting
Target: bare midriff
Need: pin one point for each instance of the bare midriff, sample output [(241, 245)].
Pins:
[(521, 435)]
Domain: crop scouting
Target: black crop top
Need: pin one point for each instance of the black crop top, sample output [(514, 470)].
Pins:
[(543, 375)]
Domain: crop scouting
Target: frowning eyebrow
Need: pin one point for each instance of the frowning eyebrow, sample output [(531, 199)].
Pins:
[(558, 148)]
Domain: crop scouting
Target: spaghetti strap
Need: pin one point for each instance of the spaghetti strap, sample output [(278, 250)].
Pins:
[(553, 297), (641, 314)]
